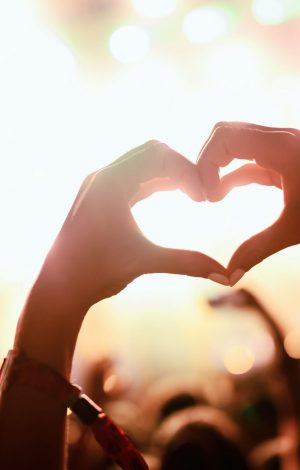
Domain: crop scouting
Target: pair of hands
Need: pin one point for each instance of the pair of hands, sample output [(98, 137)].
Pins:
[(100, 248)]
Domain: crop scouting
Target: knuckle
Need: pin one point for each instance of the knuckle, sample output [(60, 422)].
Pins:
[(152, 142), (160, 149), (290, 146), (163, 147), (221, 132), (293, 142), (220, 124), (87, 180), (163, 152)]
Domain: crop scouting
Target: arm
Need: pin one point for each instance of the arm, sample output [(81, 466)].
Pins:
[(98, 251)]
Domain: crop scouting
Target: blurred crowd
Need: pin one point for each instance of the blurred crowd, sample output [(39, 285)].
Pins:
[(248, 421)]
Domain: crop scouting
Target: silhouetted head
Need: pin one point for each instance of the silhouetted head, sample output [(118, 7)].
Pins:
[(200, 438)]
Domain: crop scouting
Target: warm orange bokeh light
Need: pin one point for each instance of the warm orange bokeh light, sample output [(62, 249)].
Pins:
[(238, 359)]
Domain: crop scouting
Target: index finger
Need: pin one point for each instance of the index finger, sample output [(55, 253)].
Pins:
[(155, 161), (265, 145)]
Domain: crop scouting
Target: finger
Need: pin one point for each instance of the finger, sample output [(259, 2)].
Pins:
[(157, 161), (231, 140), (248, 174), (82, 193), (146, 189), (280, 235), (134, 151), (247, 125), (190, 263), (254, 126)]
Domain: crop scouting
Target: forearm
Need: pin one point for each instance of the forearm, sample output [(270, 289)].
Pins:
[(48, 327), (32, 425), (98, 251)]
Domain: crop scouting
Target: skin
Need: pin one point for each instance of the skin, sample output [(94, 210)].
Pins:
[(98, 251), (275, 161)]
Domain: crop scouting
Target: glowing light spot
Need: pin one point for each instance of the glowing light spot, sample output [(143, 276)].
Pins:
[(292, 343), (269, 11), (206, 24), (110, 383), (154, 8), (129, 44), (238, 359)]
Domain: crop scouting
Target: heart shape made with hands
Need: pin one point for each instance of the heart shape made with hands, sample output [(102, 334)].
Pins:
[(235, 216), (155, 167)]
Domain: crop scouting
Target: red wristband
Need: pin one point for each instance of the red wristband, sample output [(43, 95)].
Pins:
[(18, 369)]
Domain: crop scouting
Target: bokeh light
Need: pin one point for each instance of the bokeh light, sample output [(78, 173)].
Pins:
[(269, 11), (238, 359), (129, 44), (110, 383), (154, 8), (207, 23), (273, 12)]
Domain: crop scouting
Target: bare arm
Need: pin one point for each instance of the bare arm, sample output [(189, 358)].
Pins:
[(98, 251)]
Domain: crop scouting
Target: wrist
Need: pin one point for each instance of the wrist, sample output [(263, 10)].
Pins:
[(49, 325), (20, 376)]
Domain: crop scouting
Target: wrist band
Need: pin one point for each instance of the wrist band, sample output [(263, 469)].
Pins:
[(17, 369)]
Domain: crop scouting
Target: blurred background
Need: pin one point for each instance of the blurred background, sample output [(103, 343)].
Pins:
[(81, 82)]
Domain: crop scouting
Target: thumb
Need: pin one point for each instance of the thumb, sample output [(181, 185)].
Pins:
[(280, 235), (186, 262)]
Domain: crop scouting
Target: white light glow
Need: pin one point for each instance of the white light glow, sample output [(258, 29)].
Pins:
[(269, 11), (206, 24), (236, 65), (154, 8), (171, 219), (285, 90), (129, 44)]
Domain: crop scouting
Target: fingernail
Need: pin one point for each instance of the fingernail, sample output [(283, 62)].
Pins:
[(236, 276), (216, 277)]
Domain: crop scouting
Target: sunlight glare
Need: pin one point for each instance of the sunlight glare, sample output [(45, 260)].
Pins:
[(236, 65), (171, 219), (285, 90)]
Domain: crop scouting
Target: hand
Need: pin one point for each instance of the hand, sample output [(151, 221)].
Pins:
[(100, 248), (276, 156)]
